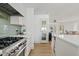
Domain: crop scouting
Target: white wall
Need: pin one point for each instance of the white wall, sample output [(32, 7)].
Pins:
[(33, 24), (38, 25), (37, 29), (72, 25), (30, 23), (68, 26)]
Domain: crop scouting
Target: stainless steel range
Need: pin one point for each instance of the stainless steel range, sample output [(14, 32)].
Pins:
[(12, 46)]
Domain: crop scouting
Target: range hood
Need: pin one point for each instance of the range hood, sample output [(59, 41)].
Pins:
[(9, 9)]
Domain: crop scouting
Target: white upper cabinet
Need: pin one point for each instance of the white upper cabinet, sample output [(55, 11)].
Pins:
[(17, 20)]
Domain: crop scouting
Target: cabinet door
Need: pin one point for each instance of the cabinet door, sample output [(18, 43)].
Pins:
[(63, 48), (28, 46), (17, 20), (14, 20), (20, 20)]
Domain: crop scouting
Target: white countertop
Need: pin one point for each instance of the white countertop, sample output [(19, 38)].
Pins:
[(72, 39), (14, 35), (18, 35)]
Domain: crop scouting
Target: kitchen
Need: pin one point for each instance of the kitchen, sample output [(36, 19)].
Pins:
[(23, 26)]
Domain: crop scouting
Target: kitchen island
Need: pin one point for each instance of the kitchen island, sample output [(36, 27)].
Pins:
[(66, 45)]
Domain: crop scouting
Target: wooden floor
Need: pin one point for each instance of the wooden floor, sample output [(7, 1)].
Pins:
[(41, 49)]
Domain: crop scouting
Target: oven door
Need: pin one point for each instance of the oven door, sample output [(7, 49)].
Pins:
[(22, 53)]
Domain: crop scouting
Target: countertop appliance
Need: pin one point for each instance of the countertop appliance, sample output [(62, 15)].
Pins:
[(11, 46)]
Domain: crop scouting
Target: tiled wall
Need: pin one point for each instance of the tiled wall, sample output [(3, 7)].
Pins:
[(5, 26)]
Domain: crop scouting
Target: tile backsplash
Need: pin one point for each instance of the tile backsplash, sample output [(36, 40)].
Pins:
[(5, 26)]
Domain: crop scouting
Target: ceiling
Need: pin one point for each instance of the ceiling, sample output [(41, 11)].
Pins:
[(58, 11)]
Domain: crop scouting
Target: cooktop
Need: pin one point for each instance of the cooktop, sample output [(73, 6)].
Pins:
[(7, 41)]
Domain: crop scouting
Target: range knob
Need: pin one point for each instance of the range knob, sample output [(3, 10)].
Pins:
[(16, 49), (12, 52), (9, 54)]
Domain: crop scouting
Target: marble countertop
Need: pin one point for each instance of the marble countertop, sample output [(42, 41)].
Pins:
[(72, 39), (17, 35), (11, 35)]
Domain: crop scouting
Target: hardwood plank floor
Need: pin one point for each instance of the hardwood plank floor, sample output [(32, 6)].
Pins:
[(41, 49)]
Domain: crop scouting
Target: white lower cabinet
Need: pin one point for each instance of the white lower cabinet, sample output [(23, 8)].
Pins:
[(52, 45), (28, 46), (63, 48)]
